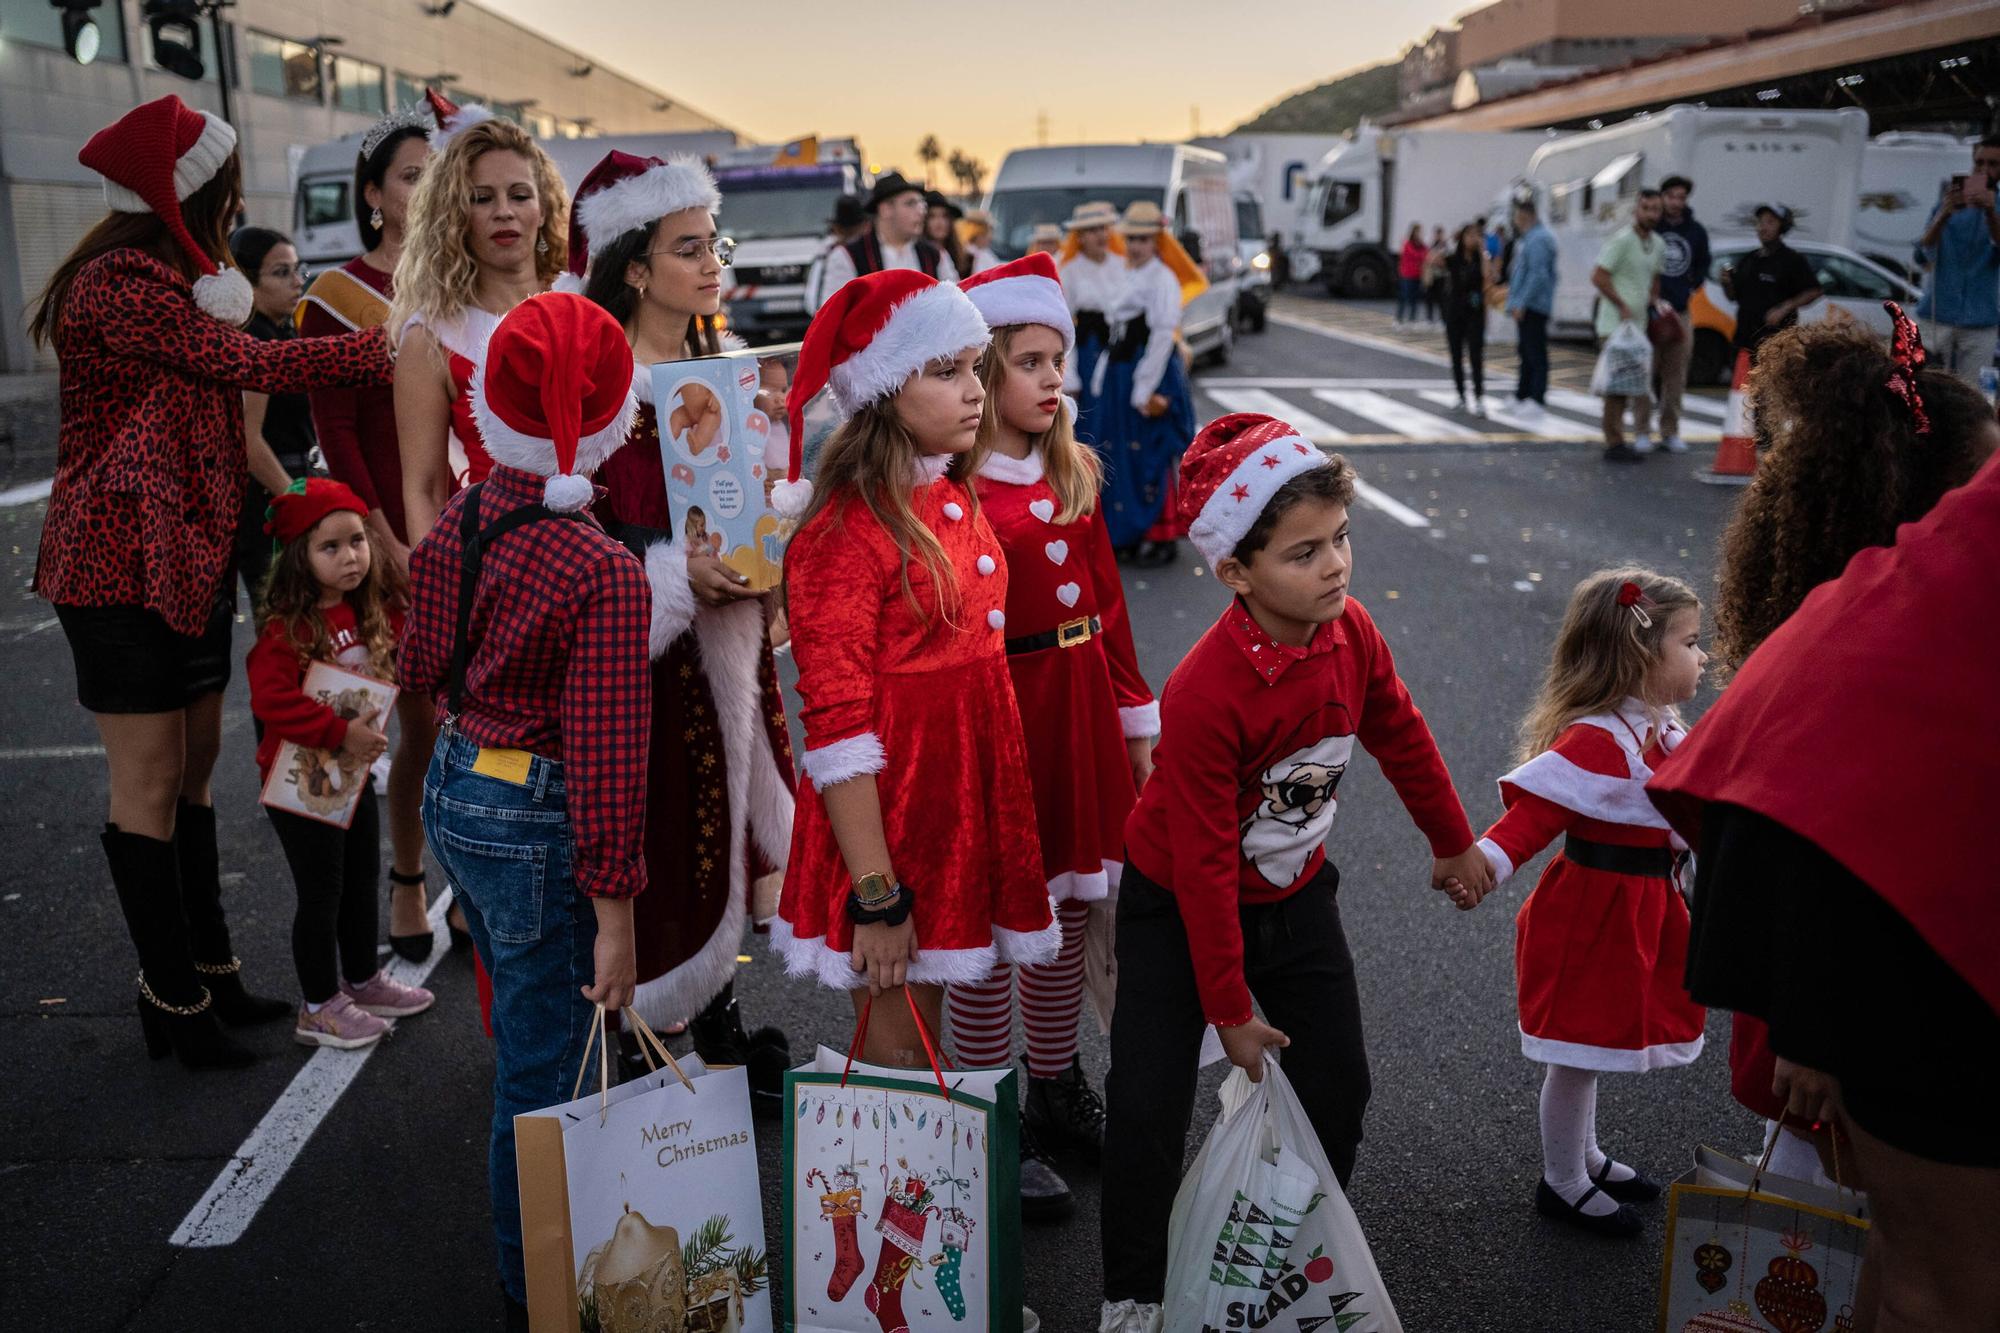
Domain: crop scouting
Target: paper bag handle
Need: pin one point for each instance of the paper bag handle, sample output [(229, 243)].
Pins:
[(649, 1041), (603, 1044), (923, 1032)]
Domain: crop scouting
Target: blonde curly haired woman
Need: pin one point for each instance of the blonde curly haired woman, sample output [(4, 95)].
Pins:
[(488, 227)]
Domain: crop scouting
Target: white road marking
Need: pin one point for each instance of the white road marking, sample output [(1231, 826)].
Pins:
[(1359, 339), (225, 1212), (1548, 426), (51, 752), (1312, 382), (1389, 505), (26, 495), (1590, 405), (1395, 415), (1268, 403)]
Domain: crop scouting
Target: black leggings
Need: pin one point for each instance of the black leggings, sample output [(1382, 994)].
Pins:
[(1296, 960), (1466, 333), (334, 870)]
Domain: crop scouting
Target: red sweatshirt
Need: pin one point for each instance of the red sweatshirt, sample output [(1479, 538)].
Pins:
[(1254, 737), (275, 676)]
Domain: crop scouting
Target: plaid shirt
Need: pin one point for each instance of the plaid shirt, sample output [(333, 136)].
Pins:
[(558, 665)]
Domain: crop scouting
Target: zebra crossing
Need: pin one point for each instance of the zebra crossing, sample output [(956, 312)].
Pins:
[(1383, 412)]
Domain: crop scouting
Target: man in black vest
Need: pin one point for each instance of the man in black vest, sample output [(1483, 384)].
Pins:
[(894, 241)]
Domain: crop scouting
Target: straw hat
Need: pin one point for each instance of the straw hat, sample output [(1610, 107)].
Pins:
[(1097, 213), (1143, 218)]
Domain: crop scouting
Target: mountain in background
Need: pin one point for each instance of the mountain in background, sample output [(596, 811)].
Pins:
[(1331, 107)]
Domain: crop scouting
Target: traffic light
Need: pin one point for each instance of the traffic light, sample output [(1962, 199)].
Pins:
[(175, 26), (80, 35)]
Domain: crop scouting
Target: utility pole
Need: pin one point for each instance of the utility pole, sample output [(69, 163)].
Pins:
[(225, 55), (1042, 127)]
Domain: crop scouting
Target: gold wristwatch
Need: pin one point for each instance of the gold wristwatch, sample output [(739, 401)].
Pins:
[(874, 889)]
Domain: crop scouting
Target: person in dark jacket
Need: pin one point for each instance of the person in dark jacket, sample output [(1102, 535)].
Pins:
[(1682, 272), (1467, 274), (1772, 283)]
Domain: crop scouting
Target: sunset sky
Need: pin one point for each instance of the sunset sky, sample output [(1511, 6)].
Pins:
[(976, 75)]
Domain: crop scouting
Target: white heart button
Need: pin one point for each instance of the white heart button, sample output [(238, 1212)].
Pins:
[(952, 510), (995, 618), (1045, 510), (1056, 551), (986, 565), (1068, 593)]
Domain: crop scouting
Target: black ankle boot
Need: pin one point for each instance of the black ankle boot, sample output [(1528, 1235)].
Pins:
[(176, 1012), (719, 1039), (1066, 1112), (208, 927)]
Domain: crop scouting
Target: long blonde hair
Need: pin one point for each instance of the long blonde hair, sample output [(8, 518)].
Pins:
[(437, 274), (873, 457), (1072, 467), (1603, 651)]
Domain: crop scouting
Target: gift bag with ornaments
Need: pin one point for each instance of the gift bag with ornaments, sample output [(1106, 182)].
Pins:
[(640, 1206), (902, 1198), (1750, 1250), (1261, 1235)]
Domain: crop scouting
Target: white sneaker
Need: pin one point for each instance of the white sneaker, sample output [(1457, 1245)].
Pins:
[(1461, 404), (1129, 1317), (1642, 443), (1477, 406), (1674, 444)]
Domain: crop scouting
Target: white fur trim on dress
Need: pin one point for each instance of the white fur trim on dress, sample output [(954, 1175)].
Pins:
[(1033, 947), (1611, 1059), (1014, 471), (1140, 721), (851, 758), (935, 322), (1227, 517), (673, 598), (464, 334), (537, 454), (1503, 865), (1084, 887), (681, 182), (571, 285), (835, 970), (225, 295), (472, 113), (1553, 777), (1024, 299)]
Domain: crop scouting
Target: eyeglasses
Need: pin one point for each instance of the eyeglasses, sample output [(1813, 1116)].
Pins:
[(285, 272), (722, 247)]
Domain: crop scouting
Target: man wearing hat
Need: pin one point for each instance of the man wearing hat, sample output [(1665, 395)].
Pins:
[(849, 221), (896, 240), (1771, 284)]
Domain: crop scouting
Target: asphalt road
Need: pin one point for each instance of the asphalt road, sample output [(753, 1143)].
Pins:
[(381, 1223)]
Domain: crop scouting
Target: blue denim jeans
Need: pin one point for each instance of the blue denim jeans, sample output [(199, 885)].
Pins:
[(505, 849)]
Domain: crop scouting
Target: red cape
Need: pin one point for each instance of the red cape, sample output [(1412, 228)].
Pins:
[(1869, 724)]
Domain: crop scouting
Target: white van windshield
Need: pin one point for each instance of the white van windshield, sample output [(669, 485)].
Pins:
[(750, 215), (1016, 212)]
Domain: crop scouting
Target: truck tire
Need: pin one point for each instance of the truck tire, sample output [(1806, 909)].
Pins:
[(1366, 278), (1712, 360)]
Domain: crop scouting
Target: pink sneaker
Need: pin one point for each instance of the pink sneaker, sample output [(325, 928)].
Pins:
[(384, 998), (340, 1024)]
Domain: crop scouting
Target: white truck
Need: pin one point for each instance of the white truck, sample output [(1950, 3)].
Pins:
[(1903, 174), (1370, 190), (778, 216), (1809, 161), (1276, 170)]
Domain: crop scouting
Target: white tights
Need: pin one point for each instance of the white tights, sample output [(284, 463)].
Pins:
[(1570, 1155)]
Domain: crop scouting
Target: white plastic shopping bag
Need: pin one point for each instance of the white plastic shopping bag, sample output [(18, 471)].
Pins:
[(1261, 1234), (1625, 366)]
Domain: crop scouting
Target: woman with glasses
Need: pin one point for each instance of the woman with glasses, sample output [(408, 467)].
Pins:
[(642, 239), (277, 427)]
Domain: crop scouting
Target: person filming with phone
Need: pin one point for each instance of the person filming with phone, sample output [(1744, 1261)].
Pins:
[(1960, 310)]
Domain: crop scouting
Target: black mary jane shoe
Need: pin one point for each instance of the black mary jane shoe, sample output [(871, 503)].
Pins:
[(1641, 1188), (412, 948), (1622, 1224)]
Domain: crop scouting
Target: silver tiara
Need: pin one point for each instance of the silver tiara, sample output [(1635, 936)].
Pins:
[(416, 116)]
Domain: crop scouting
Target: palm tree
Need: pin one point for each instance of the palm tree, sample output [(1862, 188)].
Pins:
[(969, 171), (956, 166), (930, 150)]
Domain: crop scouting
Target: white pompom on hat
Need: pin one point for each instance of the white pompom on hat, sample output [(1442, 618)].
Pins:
[(152, 159), (1025, 291), (554, 394), (452, 119)]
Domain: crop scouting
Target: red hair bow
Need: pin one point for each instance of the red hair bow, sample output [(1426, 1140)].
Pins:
[(1629, 594), (1907, 350)]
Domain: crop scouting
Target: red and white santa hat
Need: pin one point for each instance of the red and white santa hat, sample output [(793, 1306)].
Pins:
[(152, 158), (452, 119), (864, 344), (554, 394), (624, 193), (1231, 471), (1025, 291)]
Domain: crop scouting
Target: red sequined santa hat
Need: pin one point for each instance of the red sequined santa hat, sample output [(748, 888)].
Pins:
[(1026, 291), (452, 119), (624, 193), (1231, 471), (297, 510), (864, 344), (152, 158), (554, 393)]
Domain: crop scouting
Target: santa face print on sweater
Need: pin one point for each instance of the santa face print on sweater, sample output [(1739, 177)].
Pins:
[(1296, 810)]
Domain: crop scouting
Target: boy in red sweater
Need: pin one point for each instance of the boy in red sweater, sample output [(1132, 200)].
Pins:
[(1227, 890)]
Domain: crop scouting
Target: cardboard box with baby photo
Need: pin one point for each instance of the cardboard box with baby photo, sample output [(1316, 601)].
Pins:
[(721, 425)]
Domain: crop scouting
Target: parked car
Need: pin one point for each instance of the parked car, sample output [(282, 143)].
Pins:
[(1253, 279), (1856, 285)]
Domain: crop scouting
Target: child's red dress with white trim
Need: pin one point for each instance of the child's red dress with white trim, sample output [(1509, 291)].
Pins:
[(1600, 949)]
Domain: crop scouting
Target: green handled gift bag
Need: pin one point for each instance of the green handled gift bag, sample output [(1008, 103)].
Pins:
[(902, 1196)]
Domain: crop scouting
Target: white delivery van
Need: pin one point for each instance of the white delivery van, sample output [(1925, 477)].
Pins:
[(1276, 170), (1368, 192), (1191, 186), (778, 217), (1903, 175), (1586, 184)]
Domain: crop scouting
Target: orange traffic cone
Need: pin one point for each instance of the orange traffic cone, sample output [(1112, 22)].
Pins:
[(1736, 455)]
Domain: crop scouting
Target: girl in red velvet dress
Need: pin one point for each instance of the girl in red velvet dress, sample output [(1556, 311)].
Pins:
[(1600, 946), (914, 853)]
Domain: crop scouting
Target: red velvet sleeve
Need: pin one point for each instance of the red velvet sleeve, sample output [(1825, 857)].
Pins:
[(1394, 731), (277, 700), (1532, 822), (837, 582)]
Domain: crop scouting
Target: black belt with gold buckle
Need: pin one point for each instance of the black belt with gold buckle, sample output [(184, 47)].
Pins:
[(1066, 635)]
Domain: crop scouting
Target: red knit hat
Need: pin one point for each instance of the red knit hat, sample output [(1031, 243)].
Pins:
[(297, 510), (1026, 291), (554, 393), (152, 158), (623, 193), (864, 344), (452, 119), (1231, 471)]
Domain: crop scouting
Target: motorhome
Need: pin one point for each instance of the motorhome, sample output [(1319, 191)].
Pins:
[(1903, 176), (1191, 186)]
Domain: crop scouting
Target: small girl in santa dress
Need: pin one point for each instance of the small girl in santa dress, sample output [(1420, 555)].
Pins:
[(914, 857), (1601, 944), (1089, 715)]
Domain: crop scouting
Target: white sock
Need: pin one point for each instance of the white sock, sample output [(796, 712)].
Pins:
[(1568, 1104), (312, 1008), (1794, 1156), (1594, 1157)]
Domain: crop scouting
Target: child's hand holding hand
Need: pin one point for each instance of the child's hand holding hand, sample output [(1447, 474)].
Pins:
[(1462, 898), (1244, 1045), (1471, 870), (363, 742)]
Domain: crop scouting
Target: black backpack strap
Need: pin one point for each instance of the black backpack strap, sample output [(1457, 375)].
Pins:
[(473, 542)]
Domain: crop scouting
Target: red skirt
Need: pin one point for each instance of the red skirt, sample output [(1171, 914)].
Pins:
[(1077, 762)]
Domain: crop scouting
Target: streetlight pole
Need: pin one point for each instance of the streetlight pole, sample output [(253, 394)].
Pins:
[(225, 53)]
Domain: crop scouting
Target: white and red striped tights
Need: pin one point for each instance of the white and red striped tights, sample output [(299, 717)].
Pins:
[(982, 1014)]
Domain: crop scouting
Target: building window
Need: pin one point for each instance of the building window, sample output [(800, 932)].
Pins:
[(358, 86), (38, 23), (409, 91), (279, 68), (541, 124)]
